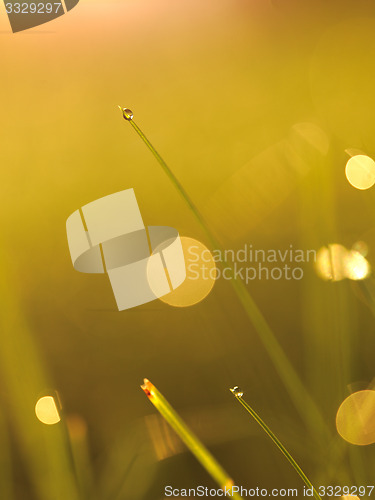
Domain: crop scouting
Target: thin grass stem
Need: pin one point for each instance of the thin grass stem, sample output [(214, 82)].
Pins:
[(190, 439), (238, 395), (297, 391)]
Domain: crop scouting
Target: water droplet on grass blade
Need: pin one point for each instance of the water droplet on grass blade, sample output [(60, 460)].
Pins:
[(237, 392), (127, 113)]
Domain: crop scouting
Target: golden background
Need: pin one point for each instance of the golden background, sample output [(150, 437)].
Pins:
[(221, 89)]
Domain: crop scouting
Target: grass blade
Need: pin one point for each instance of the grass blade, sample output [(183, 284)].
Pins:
[(44, 448), (238, 395), (188, 437), (295, 387)]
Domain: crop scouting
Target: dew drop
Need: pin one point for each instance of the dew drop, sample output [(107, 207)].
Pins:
[(237, 392), (128, 114)]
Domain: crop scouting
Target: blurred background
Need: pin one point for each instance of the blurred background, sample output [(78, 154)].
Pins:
[(256, 106)]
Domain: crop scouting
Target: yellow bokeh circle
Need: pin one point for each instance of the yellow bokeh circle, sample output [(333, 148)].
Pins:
[(200, 278), (336, 263), (360, 171), (330, 262), (356, 266), (355, 419), (46, 410)]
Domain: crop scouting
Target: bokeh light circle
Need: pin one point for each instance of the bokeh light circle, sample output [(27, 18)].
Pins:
[(200, 278), (336, 263), (46, 410), (330, 262), (356, 266), (355, 419), (360, 171)]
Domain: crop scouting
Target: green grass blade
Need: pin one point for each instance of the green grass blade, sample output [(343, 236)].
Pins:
[(296, 389), (188, 437), (238, 395), (44, 448), (6, 466)]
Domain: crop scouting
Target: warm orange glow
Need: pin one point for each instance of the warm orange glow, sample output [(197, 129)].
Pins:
[(228, 485), (147, 386), (200, 275), (77, 427), (165, 441)]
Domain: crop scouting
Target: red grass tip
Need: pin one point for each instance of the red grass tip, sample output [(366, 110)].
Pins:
[(147, 387)]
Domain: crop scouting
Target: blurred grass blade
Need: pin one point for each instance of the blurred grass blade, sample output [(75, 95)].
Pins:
[(297, 391), (43, 447), (238, 395), (192, 442), (6, 472), (76, 429)]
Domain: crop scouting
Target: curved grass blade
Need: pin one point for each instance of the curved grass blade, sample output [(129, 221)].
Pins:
[(238, 395)]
